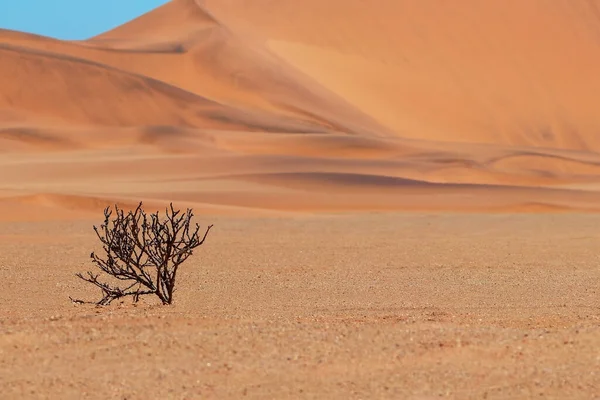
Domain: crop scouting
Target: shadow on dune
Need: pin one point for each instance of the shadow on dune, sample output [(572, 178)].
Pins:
[(352, 181)]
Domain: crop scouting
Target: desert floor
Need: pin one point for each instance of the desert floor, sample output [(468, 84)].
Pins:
[(411, 306)]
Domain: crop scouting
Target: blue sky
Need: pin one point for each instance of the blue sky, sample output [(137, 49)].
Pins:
[(71, 19)]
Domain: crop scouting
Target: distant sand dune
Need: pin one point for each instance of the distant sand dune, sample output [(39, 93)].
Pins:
[(511, 72), (244, 107)]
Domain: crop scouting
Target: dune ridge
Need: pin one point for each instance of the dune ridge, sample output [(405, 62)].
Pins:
[(241, 106)]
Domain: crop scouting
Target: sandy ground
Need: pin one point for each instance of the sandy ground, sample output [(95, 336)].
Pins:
[(335, 306)]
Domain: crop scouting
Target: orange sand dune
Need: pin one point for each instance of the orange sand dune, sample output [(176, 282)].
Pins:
[(310, 106), (512, 72)]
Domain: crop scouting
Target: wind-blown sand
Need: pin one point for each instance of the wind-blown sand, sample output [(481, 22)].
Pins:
[(294, 124)]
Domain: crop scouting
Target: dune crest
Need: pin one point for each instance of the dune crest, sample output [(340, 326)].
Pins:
[(282, 105)]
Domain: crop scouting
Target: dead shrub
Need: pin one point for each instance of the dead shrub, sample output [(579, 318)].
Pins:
[(142, 253)]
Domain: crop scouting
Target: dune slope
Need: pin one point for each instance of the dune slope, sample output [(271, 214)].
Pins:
[(510, 72), (311, 106)]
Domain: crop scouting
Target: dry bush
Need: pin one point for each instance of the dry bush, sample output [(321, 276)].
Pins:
[(143, 252)]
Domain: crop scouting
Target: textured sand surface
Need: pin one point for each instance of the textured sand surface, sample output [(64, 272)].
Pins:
[(372, 306), (303, 130)]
